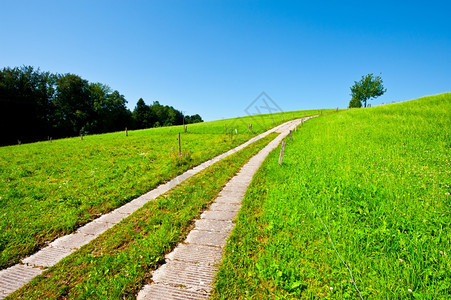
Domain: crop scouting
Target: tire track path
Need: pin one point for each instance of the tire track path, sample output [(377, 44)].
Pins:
[(189, 270), (20, 274)]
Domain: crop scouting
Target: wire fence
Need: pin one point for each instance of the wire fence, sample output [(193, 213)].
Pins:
[(329, 235)]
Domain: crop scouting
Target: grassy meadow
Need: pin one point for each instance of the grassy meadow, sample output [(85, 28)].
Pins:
[(119, 262), (48, 189), (380, 180)]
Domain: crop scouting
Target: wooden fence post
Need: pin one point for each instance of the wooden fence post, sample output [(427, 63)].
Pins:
[(281, 152), (291, 138), (180, 147), (126, 131)]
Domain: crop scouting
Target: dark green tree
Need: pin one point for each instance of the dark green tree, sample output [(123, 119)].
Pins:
[(367, 88), (99, 95), (193, 119), (161, 114), (355, 103), (115, 114), (74, 109), (110, 111), (25, 104), (142, 115)]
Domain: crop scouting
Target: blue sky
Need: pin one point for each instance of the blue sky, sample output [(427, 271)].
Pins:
[(215, 57)]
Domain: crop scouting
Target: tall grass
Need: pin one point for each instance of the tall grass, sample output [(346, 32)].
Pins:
[(379, 179)]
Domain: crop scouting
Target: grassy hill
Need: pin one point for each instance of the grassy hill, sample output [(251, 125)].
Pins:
[(48, 189), (119, 262), (379, 181), (368, 187)]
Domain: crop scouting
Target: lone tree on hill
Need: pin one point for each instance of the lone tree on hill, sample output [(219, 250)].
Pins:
[(368, 87)]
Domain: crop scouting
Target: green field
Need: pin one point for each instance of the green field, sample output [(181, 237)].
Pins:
[(48, 189), (119, 262), (380, 180), (369, 186)]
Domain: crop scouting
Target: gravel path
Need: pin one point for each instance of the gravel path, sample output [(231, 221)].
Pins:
[(20, 274), (189, 270)]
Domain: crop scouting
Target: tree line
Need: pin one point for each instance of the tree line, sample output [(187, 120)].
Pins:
[(37, 105)]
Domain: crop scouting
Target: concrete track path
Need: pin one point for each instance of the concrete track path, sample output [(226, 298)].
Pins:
[(20, 274), (189, 270)]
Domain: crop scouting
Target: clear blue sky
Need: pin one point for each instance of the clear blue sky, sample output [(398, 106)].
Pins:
[(215, 57)]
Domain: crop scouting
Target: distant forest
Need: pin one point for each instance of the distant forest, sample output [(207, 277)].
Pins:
[(37, 105)]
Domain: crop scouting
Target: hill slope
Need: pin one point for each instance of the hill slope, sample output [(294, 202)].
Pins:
[(379, 179), (48, 189)]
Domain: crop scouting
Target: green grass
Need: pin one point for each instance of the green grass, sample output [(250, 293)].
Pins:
[(118, 263), (380, 180), (48, 189)]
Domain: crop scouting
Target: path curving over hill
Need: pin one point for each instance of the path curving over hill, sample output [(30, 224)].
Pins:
[(18, 275), (189, 269)]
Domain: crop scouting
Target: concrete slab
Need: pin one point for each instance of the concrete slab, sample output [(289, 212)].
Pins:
[(173, 183), (151, 195), (72, 241), (95, 228), (161, 189), (196, 254), (112, 217), (239, 181), (228, 199), (219, 215), (3, 294), (160, 291), (184, 274), (127, 209), (47, 257), (208, 238), (140, 201), (237, 190), (225, 206), (214, 225), (15, 277)]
